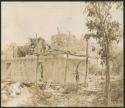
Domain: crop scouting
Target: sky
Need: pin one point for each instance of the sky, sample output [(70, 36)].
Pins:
[(22, 20)]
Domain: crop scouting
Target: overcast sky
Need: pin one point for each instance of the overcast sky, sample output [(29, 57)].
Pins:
[(21, 20)]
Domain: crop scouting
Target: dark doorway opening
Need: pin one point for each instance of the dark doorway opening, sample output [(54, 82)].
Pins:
[(8, 65), (41, 69)]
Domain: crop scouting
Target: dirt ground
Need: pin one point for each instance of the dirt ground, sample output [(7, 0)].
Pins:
[(48, 94)]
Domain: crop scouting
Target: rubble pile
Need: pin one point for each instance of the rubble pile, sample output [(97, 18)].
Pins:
[(18, 94), (13, 94)]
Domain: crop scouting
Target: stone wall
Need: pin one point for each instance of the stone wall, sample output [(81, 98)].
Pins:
[(54, 69), (19, 69), (22, 69)]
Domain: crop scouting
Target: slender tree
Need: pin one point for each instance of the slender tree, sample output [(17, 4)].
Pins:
[(105, 31), (87, 39)]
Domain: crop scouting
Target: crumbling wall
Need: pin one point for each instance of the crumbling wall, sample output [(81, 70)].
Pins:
[(19, 70), (24, 70), (53, 69)]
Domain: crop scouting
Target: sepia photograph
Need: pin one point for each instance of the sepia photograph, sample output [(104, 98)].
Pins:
[(62, 54)]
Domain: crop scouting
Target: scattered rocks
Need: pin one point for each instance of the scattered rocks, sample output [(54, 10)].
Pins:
[(15, 89), (26, 83), (48, 84), (49, 94)]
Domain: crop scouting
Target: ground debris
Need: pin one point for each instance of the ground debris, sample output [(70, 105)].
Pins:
[(51, 94)]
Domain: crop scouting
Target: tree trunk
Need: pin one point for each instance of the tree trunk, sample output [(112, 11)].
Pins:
[(86, 61), (107, 86)]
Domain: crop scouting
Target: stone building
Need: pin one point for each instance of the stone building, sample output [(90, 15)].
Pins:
[(68, 43), (50, 67)]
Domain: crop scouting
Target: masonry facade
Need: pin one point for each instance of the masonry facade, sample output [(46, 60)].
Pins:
[(49, 68)]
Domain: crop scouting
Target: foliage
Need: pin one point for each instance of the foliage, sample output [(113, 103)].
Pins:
[(118, 64), (22, 50), (105, 31), (101, 26), (34, 43)]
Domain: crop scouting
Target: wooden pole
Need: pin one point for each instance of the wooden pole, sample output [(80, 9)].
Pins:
[(66, 68), (67, 56)]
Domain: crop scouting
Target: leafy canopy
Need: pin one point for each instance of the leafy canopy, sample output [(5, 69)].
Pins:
[(100, 24)]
